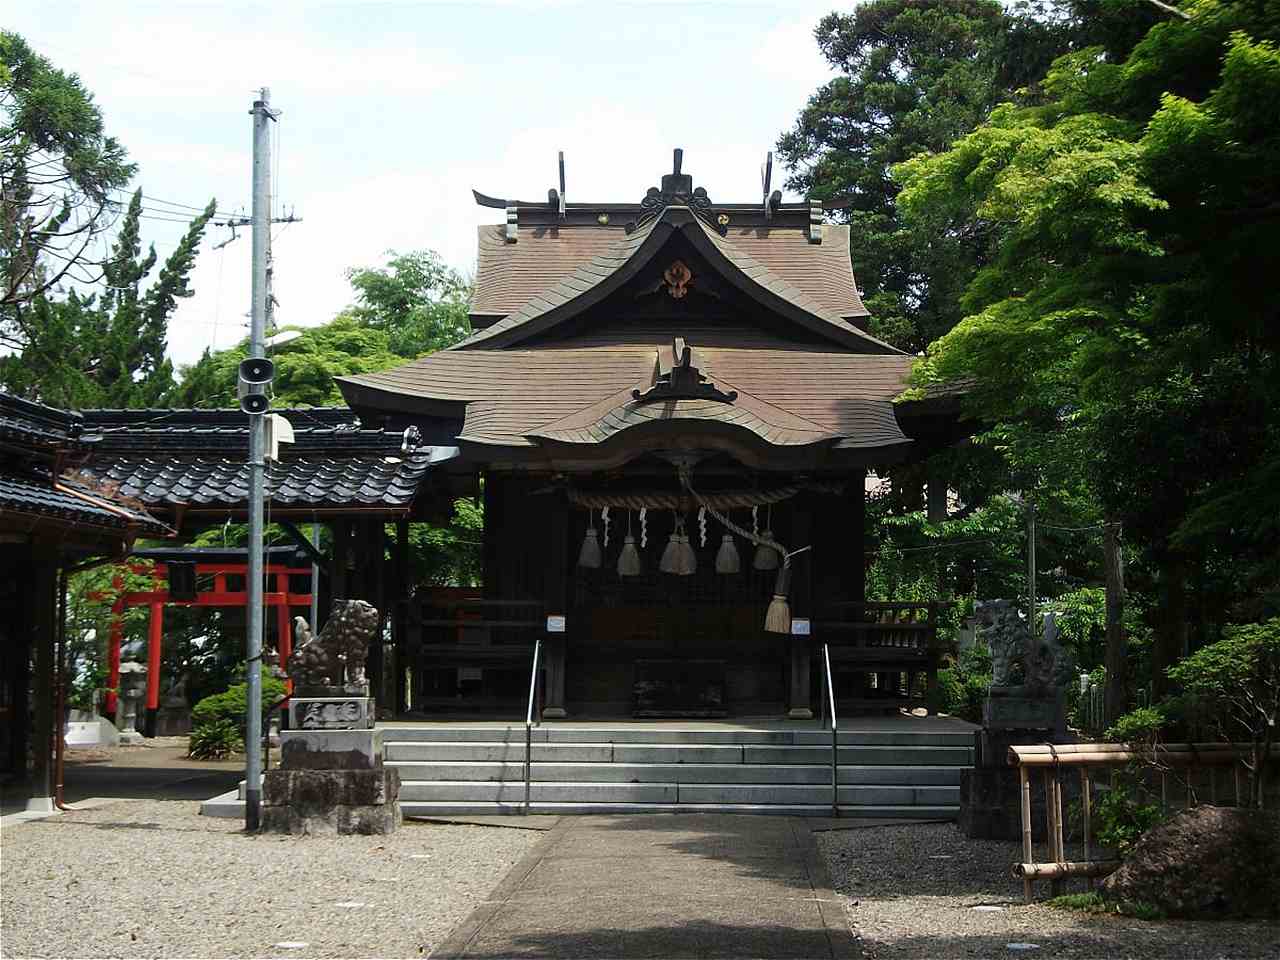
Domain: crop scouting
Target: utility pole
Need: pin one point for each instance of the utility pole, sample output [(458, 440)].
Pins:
[(262, 115), (1031, 568)]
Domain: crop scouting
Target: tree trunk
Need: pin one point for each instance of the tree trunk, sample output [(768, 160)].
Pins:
[(1171, 637), (1115, 692)]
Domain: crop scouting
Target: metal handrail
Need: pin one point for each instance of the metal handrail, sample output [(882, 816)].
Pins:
[(835, 746), (528, 724)]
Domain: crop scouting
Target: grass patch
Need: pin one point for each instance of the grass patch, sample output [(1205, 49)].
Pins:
[(1096, 903)]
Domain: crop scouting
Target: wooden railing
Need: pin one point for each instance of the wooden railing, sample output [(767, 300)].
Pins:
[(890, 643)]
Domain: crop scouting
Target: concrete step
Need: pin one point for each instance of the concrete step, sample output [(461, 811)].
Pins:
[(501, 752), (427, 809), (960, 736), (794, 773), (673, 793)]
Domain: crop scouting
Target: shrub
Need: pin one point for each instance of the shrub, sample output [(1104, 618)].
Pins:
[(1122, 819), (214, 740), (1140, 726), (230, 704), (1096, 903), (962, 688), (1236, 681)]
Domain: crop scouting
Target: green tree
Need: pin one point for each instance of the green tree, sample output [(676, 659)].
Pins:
[(58, 170), (914, 76), (416, 299), (1123, 330), (108, 349)]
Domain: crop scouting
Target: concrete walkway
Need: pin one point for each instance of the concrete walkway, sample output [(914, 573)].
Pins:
[(673, 886)]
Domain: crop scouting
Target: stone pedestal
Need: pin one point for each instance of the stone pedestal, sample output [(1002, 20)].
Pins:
[(331, 781)]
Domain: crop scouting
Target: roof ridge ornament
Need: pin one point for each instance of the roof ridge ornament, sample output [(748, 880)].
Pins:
[(677, 190), (682, 380)]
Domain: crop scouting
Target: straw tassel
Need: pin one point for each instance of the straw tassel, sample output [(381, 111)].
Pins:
[(778, 617), (629, 558), (670, 561), (766, 557), (688, 559), (727, 560), (590, 556)]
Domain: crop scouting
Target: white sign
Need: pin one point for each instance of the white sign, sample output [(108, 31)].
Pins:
[(799, 627), (555, 623)]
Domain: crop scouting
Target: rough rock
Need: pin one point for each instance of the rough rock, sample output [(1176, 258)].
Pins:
[(1205, 863)]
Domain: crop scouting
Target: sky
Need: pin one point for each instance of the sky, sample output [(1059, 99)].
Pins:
[(390, 113)]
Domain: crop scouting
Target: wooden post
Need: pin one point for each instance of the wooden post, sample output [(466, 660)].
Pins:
[(801, 666), (284, 637), (338, 573), (1055, 885), (1086, 799), (1024, 791), (43, 598), (555, 594), (155, 638), (1117, 653), (400, 613), (115, 639)]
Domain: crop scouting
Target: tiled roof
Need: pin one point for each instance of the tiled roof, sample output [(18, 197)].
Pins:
[(34, 424), (38, 496), (604, 271), (514, 394), (509, 275), (383, 482)]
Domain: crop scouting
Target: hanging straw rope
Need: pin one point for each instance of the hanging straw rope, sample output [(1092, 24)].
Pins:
[(666, 500), (778, 617)]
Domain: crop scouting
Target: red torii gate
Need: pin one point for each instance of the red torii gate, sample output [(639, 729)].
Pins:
[(219, 596)]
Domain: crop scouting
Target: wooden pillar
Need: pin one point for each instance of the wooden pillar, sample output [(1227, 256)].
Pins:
[(44, 605), (399, 611), (854, 568), (556, 600), (284, 636), (338, 573), (155, 639), (115, 639), (493, 489), (369, 571), (802, 575), (20, 677)]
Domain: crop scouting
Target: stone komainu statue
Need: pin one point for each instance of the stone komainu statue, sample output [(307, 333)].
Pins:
[(1015, 660), (339, 651)]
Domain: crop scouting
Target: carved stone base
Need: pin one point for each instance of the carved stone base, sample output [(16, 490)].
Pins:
[(331, 713)]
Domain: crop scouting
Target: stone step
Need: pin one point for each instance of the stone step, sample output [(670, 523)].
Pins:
[(429, 809), (469, 791), (795, 773), (500, 752), (961, 736)]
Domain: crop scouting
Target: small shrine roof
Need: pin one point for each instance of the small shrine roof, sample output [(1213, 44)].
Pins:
[(37, 496)]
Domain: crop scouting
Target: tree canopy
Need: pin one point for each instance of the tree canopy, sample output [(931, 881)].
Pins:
[(914, 76), (108, 348), (58, 172), (1124, 329)]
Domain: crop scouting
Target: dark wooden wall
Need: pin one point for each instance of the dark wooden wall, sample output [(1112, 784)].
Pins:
[(532, 540)]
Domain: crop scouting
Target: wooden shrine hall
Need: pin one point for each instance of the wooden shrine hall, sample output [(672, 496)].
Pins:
[(669, 408)]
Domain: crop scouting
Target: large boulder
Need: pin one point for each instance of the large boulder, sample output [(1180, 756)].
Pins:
[(1205, 863)]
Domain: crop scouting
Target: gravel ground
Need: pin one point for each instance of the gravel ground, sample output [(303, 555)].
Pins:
[(155, 879), (911, 892)]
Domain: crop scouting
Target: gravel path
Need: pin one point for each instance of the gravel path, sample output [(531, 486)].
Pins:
[(155, 879), (912, 889)]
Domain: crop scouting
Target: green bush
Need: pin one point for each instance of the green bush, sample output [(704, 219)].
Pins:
[(230, 704), (962, 688), (214, 740), (1139, 726), (1122, 819)]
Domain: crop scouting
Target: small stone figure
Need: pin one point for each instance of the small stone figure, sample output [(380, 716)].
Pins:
[(336, 656)]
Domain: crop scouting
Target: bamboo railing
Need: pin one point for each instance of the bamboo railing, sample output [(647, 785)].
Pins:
[(1050, 759)]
